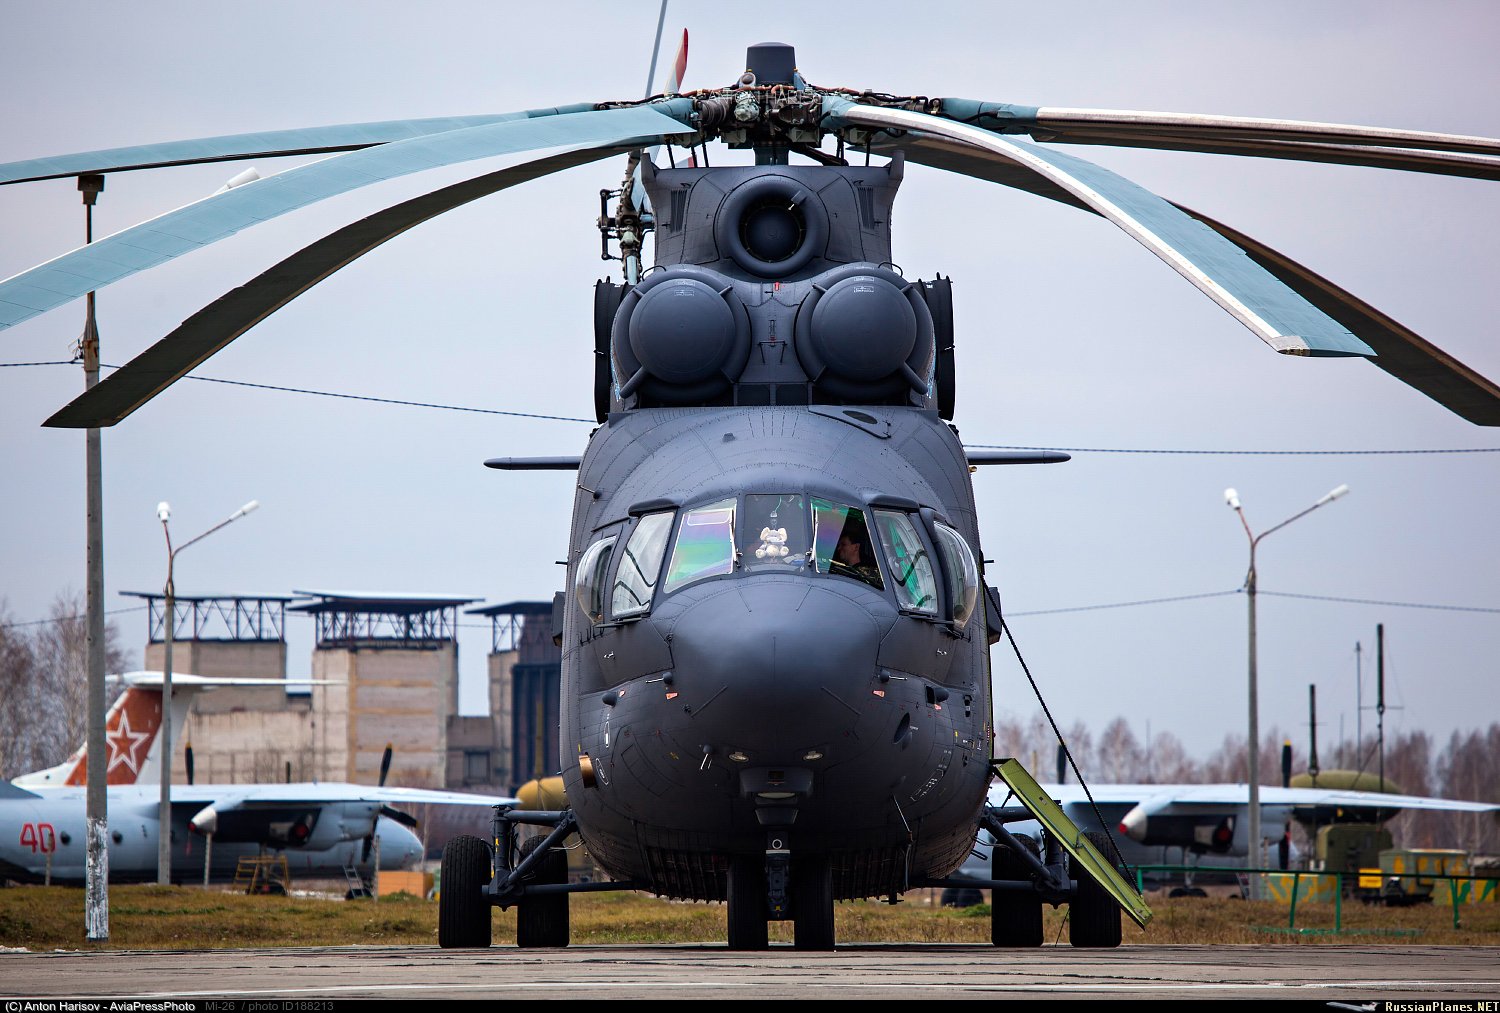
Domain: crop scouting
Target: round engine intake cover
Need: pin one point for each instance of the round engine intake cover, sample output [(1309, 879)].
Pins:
[(680, 337), (863, 328), (864, 333), (682, 331)]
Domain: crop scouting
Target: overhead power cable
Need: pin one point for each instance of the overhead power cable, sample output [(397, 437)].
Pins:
[(1123, 604), (388, 400), (1241, 590), (64, 619), (1389, 604), (977, 446)]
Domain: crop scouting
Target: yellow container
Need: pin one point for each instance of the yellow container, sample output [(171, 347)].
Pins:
[(1311, 887), (415, 883)]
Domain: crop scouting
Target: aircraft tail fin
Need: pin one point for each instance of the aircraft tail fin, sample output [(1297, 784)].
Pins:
[(131, 728)]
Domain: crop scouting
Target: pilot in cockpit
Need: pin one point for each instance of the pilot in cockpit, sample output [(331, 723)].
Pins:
[(853, 556)]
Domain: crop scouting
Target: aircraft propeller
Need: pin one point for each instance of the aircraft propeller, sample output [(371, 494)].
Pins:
[(385, 769)]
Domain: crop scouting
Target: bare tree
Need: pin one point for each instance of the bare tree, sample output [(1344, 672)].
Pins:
[(18, 739), (44, 685), (1120, 756), (1167, 761), (1466, 770)]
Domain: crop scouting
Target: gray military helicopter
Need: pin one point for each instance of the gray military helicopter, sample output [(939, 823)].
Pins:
[(776, 630)]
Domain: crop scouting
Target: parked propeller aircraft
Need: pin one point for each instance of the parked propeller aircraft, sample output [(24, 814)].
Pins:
[(322, 828), (1176, 824), (776, 686)]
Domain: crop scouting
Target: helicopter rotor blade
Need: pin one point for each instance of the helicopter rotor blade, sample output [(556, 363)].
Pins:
[(1399, 350), (232, 314), (1411, 150), (1404, 159), (1340, 143), (236, 147), (150, 243), (1215, 266)]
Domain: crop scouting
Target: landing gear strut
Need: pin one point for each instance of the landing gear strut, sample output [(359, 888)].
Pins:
[(776, 886)]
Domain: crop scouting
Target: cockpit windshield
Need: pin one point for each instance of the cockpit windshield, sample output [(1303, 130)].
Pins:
[(911, 569), (790, 533), (705, 545), (842, 543), (773, 530)]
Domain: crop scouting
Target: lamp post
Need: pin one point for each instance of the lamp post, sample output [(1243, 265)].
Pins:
[(1233, 499), (164, 814)]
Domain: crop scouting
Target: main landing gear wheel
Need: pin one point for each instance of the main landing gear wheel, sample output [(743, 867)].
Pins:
[(747, 903), (543, 920), (463, 910), (812, 902), (1093, 916), (1015, 918)]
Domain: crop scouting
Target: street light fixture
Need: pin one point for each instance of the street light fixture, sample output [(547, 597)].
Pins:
[(1233, 499), (164, 815)]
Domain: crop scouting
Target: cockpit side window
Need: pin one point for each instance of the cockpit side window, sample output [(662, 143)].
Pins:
[(705, 545), (773, 529), (842, 544), (639, 568), (960, 571), (910, 566), (589, 579)]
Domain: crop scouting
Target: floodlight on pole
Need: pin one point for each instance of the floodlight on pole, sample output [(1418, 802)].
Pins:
[(164, 813), (1253, 746)]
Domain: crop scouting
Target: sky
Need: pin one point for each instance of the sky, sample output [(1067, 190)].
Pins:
[(1069, 334)]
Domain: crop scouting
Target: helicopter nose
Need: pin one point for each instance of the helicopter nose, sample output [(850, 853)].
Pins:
[(780, 656)]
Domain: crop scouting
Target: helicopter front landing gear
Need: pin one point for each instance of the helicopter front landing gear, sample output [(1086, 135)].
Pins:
[(780, 886)]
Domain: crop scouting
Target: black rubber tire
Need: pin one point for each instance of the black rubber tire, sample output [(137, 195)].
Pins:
[(1093, 916), (812, 902), (463, 909), (543, 921), (1015, 918), (747, 903)]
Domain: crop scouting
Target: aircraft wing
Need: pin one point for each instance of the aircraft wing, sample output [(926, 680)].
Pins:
[(1111, 794), (1239, 795), (311, 815), (1158, 796), (226, 796)]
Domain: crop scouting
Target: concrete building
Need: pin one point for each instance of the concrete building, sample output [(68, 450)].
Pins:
[(390, 666), (392, 663), (238, 735)]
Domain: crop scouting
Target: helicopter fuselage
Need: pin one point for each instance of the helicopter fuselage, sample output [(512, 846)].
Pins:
[(780, 698)]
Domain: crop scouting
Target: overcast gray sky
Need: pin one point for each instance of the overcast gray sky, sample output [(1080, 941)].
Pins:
[(1069, 334)]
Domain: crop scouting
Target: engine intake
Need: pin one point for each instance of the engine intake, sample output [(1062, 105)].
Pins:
[(772, 226), (680, 337), (865, 333)]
